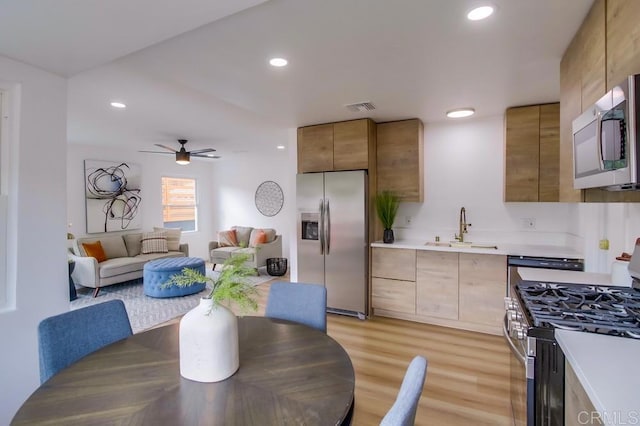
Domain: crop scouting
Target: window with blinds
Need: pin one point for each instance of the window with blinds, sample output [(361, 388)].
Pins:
[(179, 203)]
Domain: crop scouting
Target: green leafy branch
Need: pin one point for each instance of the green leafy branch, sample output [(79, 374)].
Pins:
[(231, 286)]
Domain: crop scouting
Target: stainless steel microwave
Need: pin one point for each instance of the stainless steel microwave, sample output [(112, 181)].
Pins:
[(605, 150)]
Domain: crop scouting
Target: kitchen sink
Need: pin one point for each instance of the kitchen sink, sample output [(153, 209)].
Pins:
[(458, 244)]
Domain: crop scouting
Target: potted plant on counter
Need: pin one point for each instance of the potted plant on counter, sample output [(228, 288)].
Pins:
[(387, 205), (209, 332)]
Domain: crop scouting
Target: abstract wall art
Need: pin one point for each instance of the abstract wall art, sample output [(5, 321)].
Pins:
[(112, 195)]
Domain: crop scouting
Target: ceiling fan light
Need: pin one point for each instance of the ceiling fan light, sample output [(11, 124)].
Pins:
[(182, 158)]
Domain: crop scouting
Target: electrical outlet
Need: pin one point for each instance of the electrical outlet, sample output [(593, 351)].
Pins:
[(528, 222)]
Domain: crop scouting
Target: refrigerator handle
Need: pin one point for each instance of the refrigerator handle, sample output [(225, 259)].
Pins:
[(328, 227), (321, 208)]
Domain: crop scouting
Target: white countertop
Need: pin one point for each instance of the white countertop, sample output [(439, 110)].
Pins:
[(569, 277), (607, 367), (503, 248)]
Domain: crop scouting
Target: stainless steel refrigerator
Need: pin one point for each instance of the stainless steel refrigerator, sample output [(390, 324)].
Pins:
[(332, 237)]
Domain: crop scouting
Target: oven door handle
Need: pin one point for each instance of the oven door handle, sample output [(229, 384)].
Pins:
[(514, 350)]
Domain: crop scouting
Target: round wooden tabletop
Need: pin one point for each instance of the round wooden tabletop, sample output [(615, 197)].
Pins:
[(289, 374)]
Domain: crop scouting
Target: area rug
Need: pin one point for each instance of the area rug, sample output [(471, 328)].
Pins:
[(144, 311)]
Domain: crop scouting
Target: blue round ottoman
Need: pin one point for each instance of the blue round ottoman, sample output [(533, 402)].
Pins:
[(157, 272)]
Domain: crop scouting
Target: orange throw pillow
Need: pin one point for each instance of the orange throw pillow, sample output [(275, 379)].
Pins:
[(227, 238), (258, 237), (95, 250)]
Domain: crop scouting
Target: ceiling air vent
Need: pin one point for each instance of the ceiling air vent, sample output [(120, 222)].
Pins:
[(360, 107)]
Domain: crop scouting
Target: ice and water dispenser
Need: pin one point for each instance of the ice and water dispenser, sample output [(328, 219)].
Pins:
[(310, 225)]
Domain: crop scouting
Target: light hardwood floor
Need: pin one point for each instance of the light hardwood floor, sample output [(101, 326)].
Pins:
[(467, 376)]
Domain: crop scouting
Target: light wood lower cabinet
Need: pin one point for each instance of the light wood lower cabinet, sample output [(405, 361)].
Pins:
[(437, 284), (578, 408), (483, 281), (460, 290), (393, 280), (394, 295)]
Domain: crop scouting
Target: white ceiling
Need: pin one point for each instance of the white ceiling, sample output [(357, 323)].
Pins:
[(198, 69)]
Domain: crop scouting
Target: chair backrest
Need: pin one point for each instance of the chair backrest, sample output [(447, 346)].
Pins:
[(403, 410), (303, 303), (65, 338)]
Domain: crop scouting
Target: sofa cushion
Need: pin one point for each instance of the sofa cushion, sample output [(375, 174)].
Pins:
[(243, 233), (258, 236), (250, 252), (154, 256), (95, 250), (222, 253), (133, 242), (227, 238), (173, 237), (154, 242), (113, 245), (271, 234), (119, 266)]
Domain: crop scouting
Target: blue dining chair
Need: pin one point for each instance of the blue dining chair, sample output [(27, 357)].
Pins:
[(403, 410), (303, 303), (65, 338)]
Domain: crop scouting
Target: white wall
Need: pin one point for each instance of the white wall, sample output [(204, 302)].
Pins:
[(153, 167), (234, 185), (37, 239), (464, 167)]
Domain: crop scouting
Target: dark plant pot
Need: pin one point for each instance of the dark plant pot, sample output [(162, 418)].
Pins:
[(387, 237)]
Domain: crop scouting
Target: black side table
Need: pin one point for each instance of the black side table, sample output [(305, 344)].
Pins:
[(72, 287)]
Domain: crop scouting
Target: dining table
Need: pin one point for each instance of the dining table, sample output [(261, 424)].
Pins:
[(289, 374)]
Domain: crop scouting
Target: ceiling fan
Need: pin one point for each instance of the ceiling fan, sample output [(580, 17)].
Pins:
[(183, 156)]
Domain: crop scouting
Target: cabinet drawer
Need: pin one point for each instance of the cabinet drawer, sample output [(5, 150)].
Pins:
[(394, 295), (395, 264)]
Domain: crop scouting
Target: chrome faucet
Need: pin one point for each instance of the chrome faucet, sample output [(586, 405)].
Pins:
[(463, 225)]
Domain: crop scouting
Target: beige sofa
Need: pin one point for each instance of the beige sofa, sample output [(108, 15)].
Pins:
[(258, 255), (124, 260)]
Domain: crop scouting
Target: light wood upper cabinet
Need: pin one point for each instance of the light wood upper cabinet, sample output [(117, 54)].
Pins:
[(603, 52), (622, 40), (437, 284), (570, 108), (483, 281), (400, 159), (592, 38), (329, 147), (532, 153), (351, 145), (549, 170), (315, 148)]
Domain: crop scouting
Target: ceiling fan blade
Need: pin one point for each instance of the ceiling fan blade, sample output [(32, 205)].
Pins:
[(205, 155), (202, 151), (158, 152), (165, 147)]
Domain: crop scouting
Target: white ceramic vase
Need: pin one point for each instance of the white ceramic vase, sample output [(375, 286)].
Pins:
[(208, 343)]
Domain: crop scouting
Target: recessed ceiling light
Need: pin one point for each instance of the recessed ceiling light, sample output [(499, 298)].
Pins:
[(118, 105), (280, 146), (278, 62), (460, 112), (480, 13)]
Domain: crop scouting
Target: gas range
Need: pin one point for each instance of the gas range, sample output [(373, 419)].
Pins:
[(589, 308)]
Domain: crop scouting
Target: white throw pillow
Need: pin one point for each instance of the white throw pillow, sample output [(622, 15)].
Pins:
[(173, 237), (154, 242)]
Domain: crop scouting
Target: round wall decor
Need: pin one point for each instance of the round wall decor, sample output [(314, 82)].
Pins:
[(269, 198)]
